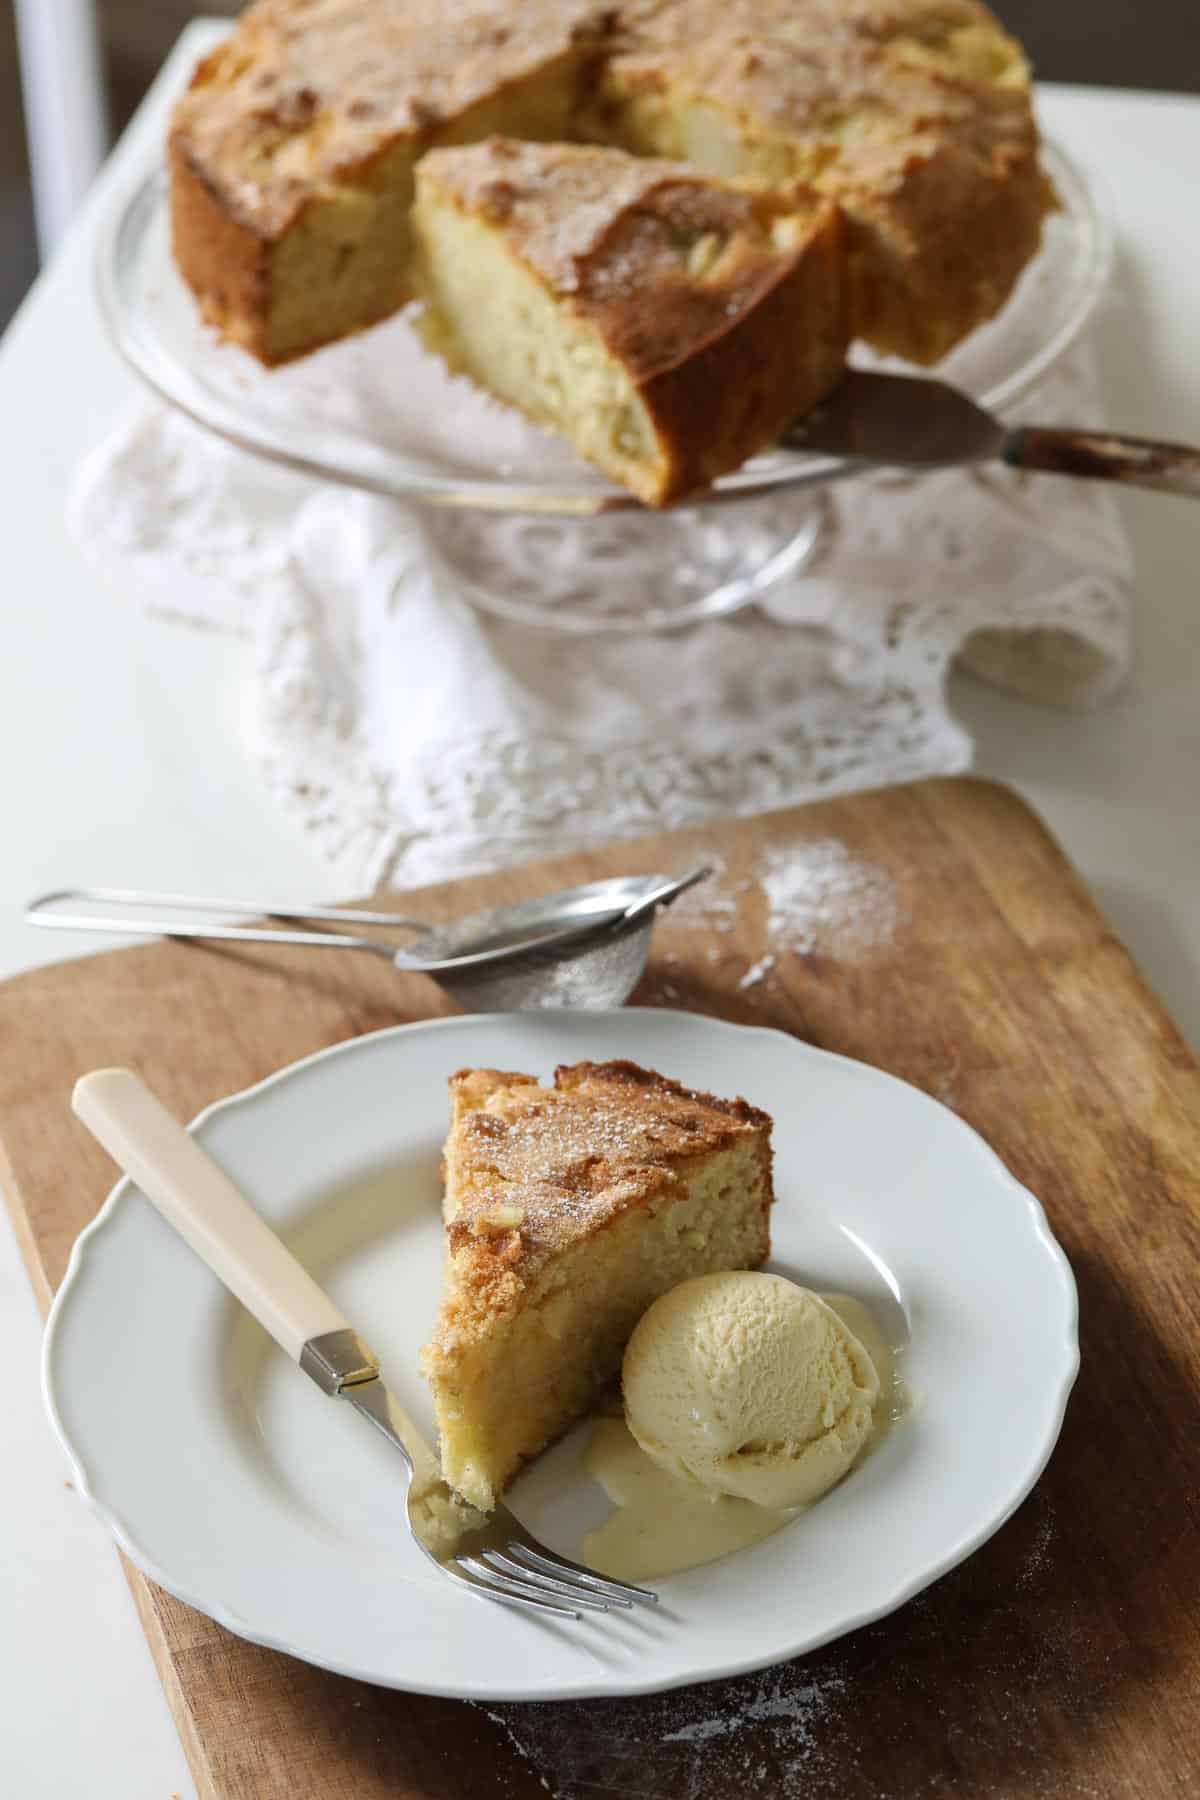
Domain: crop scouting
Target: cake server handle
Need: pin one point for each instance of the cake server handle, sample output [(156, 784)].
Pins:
[(194, 1194), (1106, 456)]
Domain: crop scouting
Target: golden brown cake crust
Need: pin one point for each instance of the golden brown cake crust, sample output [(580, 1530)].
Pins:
[(225, 261), (622, 1076), (306, 92), (810, 67), (538, 1168)]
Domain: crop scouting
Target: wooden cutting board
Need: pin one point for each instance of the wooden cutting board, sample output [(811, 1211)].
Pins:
[(936, 931)]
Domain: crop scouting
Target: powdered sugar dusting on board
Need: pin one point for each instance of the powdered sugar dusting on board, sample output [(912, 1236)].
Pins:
[(1038, 1554), (757, 972), (793, 1708), (819, 897), (779, 1731), (810, 1729), (815, 896)]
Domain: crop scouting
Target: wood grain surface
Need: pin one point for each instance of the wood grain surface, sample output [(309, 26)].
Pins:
[(949, 941)]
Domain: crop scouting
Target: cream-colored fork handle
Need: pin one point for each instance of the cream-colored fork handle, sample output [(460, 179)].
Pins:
[(197, 1197)]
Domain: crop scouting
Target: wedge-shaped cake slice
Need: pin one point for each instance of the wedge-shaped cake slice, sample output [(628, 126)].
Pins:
[(567, 1211), (668, 324)]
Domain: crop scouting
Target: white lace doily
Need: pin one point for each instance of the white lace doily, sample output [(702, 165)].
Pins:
[(412, 737)]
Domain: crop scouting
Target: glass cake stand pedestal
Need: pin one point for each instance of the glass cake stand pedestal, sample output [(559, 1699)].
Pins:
[(520, 527)]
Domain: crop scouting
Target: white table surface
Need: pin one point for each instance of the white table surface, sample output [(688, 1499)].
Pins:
[(120, 763)]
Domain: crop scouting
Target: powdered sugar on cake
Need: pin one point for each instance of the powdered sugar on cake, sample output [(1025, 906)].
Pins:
[(562, 202)]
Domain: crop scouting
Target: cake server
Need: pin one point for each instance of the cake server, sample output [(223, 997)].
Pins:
[(583, 946), (913, 422), (491, 1553)]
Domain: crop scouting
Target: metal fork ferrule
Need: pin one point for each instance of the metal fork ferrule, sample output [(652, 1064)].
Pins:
[(337, 1360)]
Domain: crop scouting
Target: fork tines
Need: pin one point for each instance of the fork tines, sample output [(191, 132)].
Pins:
[(530, 1578)]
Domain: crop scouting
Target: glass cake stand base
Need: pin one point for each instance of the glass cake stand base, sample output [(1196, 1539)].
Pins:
[(629, 571)]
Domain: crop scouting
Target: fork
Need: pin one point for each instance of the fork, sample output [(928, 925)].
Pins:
[(491, 1553)]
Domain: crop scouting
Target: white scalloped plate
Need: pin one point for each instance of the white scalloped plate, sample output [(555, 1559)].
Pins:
[(231, 1481)]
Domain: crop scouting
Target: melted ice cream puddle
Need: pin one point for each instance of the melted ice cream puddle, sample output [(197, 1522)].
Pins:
[(662, 1523)]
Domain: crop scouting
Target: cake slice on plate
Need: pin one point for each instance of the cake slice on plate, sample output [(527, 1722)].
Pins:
[(668, 324), (567, 1211)]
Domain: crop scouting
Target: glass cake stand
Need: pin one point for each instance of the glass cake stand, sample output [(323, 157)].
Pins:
[(524, 528)]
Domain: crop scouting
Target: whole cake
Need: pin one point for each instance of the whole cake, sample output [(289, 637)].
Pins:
[(292, 153), (667, 323), (568, 1210), (295, 154)]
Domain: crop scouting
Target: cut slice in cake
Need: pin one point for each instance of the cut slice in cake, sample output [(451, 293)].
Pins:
[(668, 324), (568, 1210)]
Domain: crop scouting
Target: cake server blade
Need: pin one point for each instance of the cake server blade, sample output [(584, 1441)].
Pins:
[(915, 422)]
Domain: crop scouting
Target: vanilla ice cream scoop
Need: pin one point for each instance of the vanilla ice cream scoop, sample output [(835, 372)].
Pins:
[(749, 1385)]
